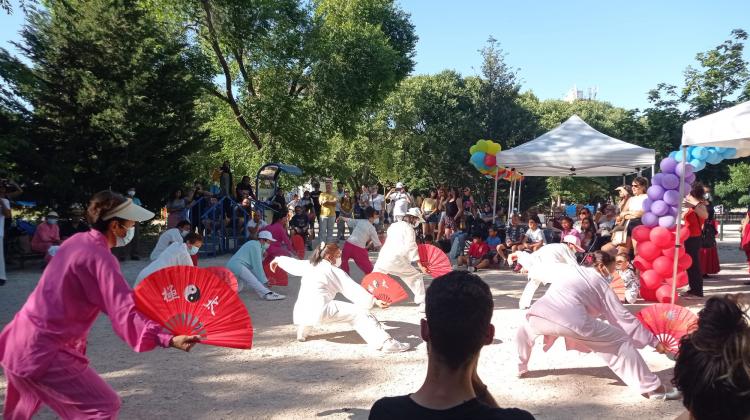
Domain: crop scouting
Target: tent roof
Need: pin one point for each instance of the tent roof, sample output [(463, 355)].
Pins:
[(574, 148), (727, 128)]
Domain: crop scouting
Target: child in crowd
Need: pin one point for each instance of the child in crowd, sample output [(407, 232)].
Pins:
[(493, 241), (626, 272), (534, 237), (478, 256), (567, 227)]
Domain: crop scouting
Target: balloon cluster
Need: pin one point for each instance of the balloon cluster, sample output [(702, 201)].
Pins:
[(484, 158), (661, 206), (655, 259), (699, 156)]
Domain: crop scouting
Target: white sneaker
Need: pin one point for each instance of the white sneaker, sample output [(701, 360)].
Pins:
[(392, 346), (674, 394), (273, 296)]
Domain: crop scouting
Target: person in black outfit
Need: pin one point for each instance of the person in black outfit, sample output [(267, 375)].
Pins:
[(452, 388), (315, 197)]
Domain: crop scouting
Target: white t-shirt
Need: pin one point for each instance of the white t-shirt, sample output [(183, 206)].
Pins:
[(636, 202), (251, 225), (174, 254), (5, 204), (400, 202), (166, 239), (377, 202), (534, 236)]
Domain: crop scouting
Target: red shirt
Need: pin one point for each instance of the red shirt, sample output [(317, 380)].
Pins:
[(694, 223), (478, 249)]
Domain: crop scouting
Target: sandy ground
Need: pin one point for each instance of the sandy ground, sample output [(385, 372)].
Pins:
[(335, 376)]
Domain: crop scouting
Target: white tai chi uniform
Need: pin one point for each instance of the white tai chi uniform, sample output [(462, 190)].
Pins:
[(571, 309), (316, 305), (175, 254), (166, 239), (552, 253), (397, 255)]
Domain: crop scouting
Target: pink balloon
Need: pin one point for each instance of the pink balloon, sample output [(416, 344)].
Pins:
[(651, 279), (646, 293), (641, 264), (641, 233), (648, 250), (661, 237), (684, 262), (669, 252), (664, 294), (663, 266)]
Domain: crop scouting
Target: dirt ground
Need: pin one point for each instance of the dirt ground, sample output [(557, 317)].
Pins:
[(335, 376)]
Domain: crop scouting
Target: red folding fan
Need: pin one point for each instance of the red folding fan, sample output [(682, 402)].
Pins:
[(618, 286), (279, 278), (668, 322), (384, 288), (225, 275), (434, 260), (298, 244), (193, 301)]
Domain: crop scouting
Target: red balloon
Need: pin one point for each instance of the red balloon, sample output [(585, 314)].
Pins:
[(684, 233), (664, 294), (682, 279), (648, 294), (641, 264), (490, 160), (684, 262), (661, 237), (669, 252), (648, 250), (663, 266), (651, 279), (641, 233)]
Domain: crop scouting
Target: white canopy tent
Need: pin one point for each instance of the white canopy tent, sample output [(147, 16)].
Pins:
[(574, 148)]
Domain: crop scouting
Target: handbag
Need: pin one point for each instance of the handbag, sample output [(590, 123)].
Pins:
[(620, 234), (708, 236)]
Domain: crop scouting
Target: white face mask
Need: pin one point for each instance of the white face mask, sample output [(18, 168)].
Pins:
[(338, 261), (131, 193), (192, 250), (184, 233), (129, 233)]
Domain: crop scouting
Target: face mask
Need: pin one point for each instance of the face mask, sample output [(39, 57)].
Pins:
[(184, 233), (707, 196), (52, 221), (131, 193), (192, 250), (338, 262), (264, 246), (129, 233)]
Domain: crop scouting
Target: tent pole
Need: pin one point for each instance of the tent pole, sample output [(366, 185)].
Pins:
[(652, 171), (677, 244), (494, 200), (520, 187), (510, 194)]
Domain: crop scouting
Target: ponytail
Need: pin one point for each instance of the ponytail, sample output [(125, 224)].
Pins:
[(321, 252)]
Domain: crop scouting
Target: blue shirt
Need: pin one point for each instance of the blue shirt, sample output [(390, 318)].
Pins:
[(493, 241)]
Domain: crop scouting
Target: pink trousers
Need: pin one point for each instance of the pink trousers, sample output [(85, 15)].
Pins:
[(359, 255), (70, 388), (612, 344)]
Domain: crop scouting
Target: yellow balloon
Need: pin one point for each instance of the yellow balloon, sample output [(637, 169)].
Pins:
[(493, 148), (482, 146), (473, 149)]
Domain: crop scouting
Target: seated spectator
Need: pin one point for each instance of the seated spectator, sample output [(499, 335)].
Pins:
[(485, 213), (583, 213), (566, 224), (626, 272), (178, 253), (587, 233), (299, 223), (478, 255), (493, 241), (514, 235), (713, 367), (75, 224), (254, 225), (534, 237), (452, 388), (606, 220), (47, 235), (175, 234)]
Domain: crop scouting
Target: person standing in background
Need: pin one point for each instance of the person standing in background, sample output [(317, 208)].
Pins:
[(378, 203), (694, 216), (401, 201), (225, 187), (315, 197), (176, 208), (327, 202), (709, 254), (347, 206)]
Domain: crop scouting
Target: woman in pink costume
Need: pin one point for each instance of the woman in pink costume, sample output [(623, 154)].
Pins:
[(571, 309), (282, 247), (43, 348)]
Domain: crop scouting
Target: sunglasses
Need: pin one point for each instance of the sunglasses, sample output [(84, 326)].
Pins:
[(621, 261)]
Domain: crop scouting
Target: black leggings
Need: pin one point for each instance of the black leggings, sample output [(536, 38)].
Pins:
[(695, 278)]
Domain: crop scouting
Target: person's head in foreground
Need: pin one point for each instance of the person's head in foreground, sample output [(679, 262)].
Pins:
[(491, 232), (184, 227), (115, 216), (193, 242), (713, 366), (602, 262)]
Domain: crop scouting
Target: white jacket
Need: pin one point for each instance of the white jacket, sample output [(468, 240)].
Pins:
[(175, 254), (400, 247)]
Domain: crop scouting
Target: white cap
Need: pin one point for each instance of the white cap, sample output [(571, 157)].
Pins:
[(399, 185), (53, 214), (575, 241), (264, 234), (129, 211), (416, 212)]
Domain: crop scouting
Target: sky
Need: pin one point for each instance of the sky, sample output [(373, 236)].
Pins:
[(621, 48)]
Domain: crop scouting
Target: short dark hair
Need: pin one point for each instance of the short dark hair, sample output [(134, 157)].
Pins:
[(182, 223), (193, 237), (713, 367), (535, 218), (454, 301), (369, 212), (476, 235), (564, 218)]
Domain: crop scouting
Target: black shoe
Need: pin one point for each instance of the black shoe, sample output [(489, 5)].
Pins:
[(2, 282), (135, 258)]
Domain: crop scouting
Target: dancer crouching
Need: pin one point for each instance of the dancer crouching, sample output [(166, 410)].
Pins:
[(571, 308), (321, 281)]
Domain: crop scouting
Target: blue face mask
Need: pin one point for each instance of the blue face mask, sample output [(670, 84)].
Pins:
[(192, 250), (264, 246), (52, 221)]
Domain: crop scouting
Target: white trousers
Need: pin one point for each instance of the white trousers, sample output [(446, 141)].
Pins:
[(406, 272), (363, 322), (610, 343), (2, 260), (247, 277), (528, 293), (326, 228)]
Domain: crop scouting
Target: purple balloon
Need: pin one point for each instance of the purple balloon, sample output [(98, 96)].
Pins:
[(671, 197), (673, 211), (647, 204), (690, 178), (670, 182), (656, 179), (666, 221), (650, 219), (655, 192), (683, 167), (667, 165), (659, 208), (686, 188)]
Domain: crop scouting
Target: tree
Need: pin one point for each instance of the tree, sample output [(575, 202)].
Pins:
[(734, 191), (111, 101)]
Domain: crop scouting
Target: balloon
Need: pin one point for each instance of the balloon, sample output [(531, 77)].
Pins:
[(690, 178), (661, 237), (648, 250), (482, 146), (641, 233), (714, 158), (651, 279), (673, 156), (650, 219), (664, 294), (493, 148), (647, 294), (670, 181), (473, 149), (699, 153), (683, 168), (673, 211), (729, 153), (477, 159), (656, 179), (647, 204), (671, 197), (669, 252), (641, 264), (698, 164), (684, 262), (667, 221), (682, 279), (678, 157), (663, 266), (655, 192), (489, 160), (667, 164), (659, 208)]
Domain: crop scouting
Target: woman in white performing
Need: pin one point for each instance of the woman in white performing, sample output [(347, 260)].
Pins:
[(178, 253), (321, 281), (552, 253), (400, 250), (571, 309)]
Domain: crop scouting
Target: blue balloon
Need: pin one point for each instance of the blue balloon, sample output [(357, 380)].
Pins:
[(673, 155), (699, 153), (729, 153), (714, 158), (698, 165), (477, 159)]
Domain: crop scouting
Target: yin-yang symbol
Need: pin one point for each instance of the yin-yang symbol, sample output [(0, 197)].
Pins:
[(192, 293)]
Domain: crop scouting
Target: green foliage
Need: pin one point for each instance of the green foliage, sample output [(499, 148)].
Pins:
[(734, 190)]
